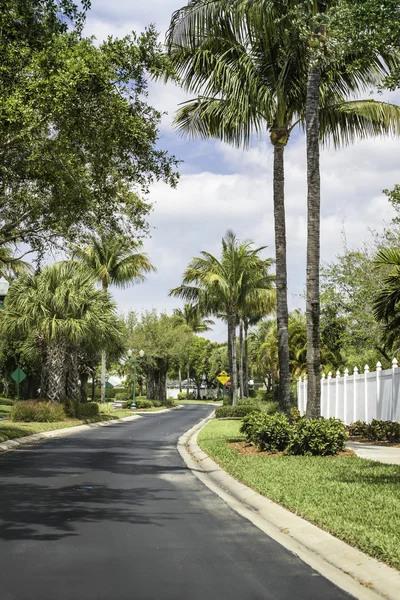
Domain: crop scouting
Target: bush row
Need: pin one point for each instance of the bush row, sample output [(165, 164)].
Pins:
[(275, 433), (49, 412), (236, 412), (6, 401), (379, 431)]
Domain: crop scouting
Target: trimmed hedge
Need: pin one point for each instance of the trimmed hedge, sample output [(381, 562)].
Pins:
[(275, 433), (377, 431), (38, 412), (237, 412), (141, 404), (121, 397)]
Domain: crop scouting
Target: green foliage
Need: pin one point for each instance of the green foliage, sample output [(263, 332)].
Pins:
[(382, 431), (317, 437), (87, 410), (270, 433), (7, 402), (127, 404), (32, 411), (144, 404), (295, 415), (121, 397), (184, 396), (235, 412), (358, 428), (170, 403)]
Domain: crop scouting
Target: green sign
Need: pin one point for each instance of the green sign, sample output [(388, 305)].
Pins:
[(18, 375), (109, 385)]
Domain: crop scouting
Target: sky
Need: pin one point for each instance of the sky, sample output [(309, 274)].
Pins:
[(225, 188)]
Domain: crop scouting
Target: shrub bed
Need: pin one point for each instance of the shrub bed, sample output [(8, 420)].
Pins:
[(39, 412), (236, 412), (121, 397), (7, 402), (275, 433), (144, 404), (377, 431)]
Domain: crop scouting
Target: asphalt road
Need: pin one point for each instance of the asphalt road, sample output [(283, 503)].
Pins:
[(114, 514)]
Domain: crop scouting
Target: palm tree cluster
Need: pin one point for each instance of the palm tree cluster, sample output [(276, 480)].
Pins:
[(233, 287), (253, 69)]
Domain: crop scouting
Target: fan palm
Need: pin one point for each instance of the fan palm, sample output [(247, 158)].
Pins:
[(248, 64), (113, 260), (65, 309), (223, 286)]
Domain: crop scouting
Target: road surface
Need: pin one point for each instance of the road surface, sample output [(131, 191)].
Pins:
[(114, 514)]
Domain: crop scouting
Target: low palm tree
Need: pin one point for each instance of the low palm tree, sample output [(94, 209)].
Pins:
[(113, 260), (63, 307), (387, 302), (223, 286)]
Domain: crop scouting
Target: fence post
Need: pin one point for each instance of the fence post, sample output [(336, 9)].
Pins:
[(304, 394), (328, 396), (355, 373), (346, 374), (323, 395), (394, 367), (378, 387), (337, 394), (299, 398), (366, 371)]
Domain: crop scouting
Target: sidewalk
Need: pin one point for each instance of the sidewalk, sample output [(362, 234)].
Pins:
[(384, 454)]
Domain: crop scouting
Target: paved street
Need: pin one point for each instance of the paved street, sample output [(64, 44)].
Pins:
[(114, 514)]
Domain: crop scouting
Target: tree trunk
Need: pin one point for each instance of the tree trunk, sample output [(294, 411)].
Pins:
[(56, 370), (187, 383), (83, 389), (313, 243), (241, 377), (150, 384), (180, 380), (282, 312), (73, 375), (93, 383), (229, 390), (161, 381), (246, 360), (234, 374), (103, 375)]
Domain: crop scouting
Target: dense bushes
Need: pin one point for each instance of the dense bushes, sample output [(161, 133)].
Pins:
[(275, 433), (121, 397), (269, 432), (236, 412), (7, 402), (144, 404), (43, 412), (377, 431), (317, 437), (86, 410)]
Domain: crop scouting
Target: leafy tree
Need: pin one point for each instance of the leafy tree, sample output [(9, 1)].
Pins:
[(65, 310), (113, 260), (248, 63), (224, 286), (77, 139), (164, 342)]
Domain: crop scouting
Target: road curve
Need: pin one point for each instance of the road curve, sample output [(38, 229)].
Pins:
[(114, 514)]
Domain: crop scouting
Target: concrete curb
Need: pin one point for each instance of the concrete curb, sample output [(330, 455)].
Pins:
[(45, 435), (348, 568)]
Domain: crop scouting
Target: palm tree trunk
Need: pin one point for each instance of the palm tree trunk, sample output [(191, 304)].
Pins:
[(83, 388), (230, 362), (180, 380), (73, 375), (56, 370), (234, 378), (313, 243), (246, 360), (187, 382), (282, 312), (103, 363), (241, 378)]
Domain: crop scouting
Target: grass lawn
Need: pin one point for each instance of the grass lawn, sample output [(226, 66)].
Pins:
[(355, 499), (4, 410), (12, 430)]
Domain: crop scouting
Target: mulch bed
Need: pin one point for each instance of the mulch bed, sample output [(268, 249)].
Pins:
[(245, 449)]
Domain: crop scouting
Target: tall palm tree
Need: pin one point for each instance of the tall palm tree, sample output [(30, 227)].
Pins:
[(113, 260), (222, 286), (248, 62), (63, 307), (191, 316)]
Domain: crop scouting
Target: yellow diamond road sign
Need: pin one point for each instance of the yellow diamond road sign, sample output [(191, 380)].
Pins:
[(223, 378)]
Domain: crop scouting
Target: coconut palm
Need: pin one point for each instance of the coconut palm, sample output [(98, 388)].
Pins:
[(223, 286), (248, 64), (65, 309), (113, 260), (11, 267)]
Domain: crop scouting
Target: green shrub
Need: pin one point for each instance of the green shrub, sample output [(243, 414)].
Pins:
[(170, 403), (127, 404), (269, 432), (157, 403), (383, 431), (39, 412), (358, 428), (182, 396), (317, 437), (235, 412), (144, 404), (295, 415), (121, 397), (86, 410)]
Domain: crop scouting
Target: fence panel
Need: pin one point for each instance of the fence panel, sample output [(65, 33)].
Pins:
[(384, 408)]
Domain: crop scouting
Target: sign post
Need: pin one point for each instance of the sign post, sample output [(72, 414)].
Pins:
[(18, 376), (223, 378)]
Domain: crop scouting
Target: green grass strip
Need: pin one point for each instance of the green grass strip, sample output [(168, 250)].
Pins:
[(356, 500)]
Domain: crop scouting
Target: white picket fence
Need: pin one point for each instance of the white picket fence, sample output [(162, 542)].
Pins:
[(358, 397)]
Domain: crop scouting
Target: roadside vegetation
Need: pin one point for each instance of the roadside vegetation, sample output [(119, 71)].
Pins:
[(352, 498)]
